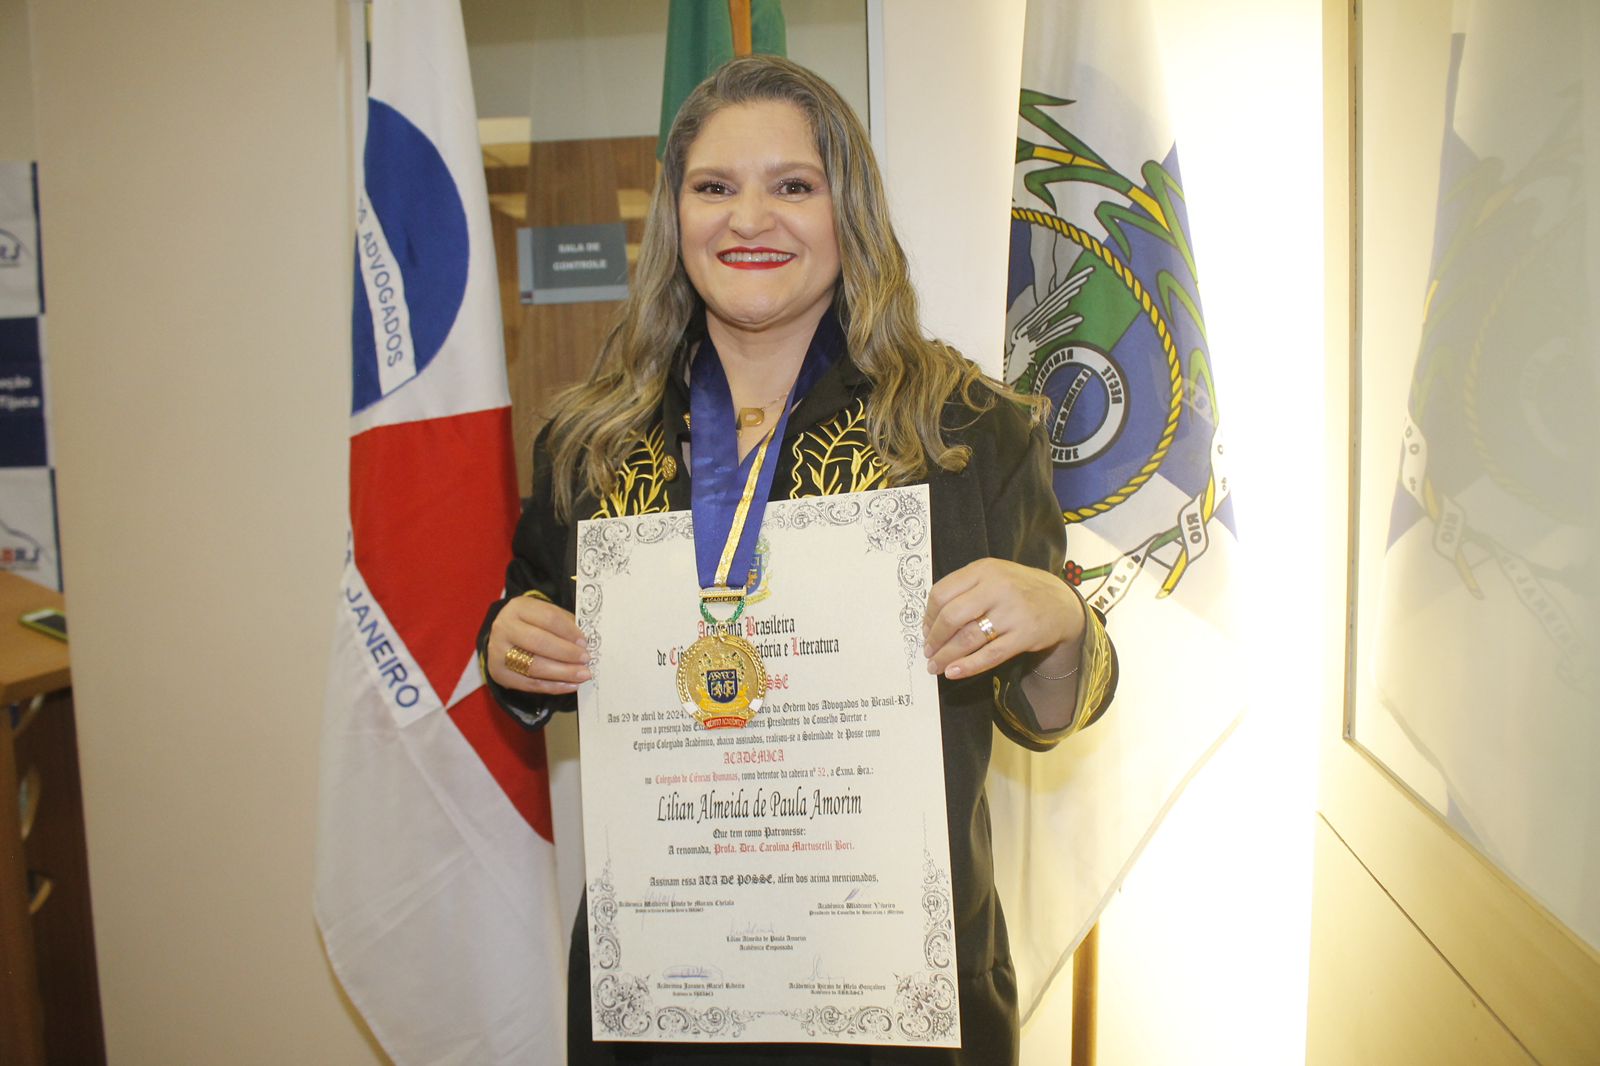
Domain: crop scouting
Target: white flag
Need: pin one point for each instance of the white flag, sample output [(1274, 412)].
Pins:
[(435, 885), (1104, 318)]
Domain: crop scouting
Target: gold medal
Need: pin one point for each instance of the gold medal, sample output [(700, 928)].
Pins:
[(722, 681)]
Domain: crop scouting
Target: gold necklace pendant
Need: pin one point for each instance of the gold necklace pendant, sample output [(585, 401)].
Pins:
[(751, 417)]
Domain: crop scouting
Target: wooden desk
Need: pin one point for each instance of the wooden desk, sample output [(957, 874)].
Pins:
[(31, 664), (49, 994)]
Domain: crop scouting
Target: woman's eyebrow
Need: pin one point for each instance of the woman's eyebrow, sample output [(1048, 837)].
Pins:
[(795, 164)]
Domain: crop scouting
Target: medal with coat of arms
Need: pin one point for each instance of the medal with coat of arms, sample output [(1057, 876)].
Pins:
[(1104, 320), (722, 681)]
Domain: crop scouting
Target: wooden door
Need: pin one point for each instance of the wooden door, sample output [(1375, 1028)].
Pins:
[(558, 183)]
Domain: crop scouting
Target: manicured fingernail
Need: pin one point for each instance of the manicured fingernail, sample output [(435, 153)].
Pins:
[(954, 671)]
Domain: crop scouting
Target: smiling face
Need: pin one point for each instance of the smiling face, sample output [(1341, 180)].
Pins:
[(755, 219)]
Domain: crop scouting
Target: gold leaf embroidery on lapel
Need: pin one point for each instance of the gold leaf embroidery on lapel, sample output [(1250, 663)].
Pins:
[(836, 456), (641, 485)]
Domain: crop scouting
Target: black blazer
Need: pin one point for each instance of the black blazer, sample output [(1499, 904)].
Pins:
[(1001, 505)]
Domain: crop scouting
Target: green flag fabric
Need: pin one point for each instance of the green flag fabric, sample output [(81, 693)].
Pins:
[(700, 39)]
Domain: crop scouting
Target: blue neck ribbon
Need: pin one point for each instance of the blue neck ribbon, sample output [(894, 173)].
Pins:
[(720, 477)]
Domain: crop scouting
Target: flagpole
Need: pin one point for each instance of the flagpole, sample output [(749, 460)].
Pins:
[(739, 15), (1085, 992)]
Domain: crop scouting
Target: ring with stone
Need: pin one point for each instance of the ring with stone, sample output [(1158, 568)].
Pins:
[(986, 627)]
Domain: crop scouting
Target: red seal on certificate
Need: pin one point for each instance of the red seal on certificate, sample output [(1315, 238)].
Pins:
[(722, 681)]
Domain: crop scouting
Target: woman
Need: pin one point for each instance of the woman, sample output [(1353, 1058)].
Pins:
[(768, 255)]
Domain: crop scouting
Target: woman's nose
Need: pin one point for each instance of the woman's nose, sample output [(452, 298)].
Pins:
[(752, 214)]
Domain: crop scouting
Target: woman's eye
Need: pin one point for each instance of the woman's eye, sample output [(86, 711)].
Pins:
[(711, 188), (794, 187)]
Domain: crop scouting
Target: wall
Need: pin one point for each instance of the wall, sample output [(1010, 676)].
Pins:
[(558, 60), (949, 141), (16, 87), (193, 162), (195, 189)]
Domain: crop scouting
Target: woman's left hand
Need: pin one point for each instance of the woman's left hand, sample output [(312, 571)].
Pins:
[(1026, 610)]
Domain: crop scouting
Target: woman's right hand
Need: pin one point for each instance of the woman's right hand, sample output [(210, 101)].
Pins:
[(557, 654)]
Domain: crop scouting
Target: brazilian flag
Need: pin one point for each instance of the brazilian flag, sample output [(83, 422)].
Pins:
[(704, 34)]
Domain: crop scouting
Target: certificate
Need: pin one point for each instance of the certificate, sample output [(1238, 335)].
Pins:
[(788, 879)]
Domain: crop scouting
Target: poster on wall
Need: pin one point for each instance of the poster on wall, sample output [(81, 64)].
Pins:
[(28, 525), (19, 242), (27, 480), (22, 428)]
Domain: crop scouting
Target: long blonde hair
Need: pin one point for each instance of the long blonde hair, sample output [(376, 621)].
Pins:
[(599, 421)]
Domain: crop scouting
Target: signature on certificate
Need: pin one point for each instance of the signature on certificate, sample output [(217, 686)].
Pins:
[(818, 971)]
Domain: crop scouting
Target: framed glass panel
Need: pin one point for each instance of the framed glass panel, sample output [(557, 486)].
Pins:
[(1478, 493)]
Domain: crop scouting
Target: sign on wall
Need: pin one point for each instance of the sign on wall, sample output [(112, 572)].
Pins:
[(573, 264), (19, 242)]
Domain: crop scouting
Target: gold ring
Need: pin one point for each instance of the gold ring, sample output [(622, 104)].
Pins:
[(519, 661), (986, 627)]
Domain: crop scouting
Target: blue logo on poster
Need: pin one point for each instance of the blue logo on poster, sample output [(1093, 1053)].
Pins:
[(411, 257)]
